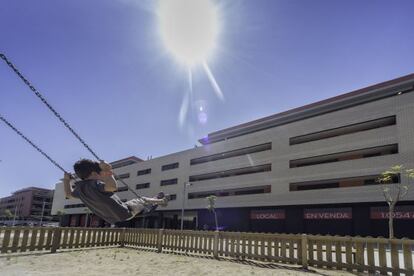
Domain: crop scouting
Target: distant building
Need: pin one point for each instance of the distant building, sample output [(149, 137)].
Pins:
[(312, 169), (28, 204)]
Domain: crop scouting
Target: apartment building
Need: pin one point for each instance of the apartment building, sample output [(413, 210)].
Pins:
[(312, 169), (28, 204)]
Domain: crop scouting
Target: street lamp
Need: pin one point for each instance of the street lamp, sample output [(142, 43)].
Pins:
[(43, 209), (186, 184)]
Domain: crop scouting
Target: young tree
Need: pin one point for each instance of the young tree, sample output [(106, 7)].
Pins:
[(211, 206), (5, 214), (60, 214), (393, 190), (8, 213)]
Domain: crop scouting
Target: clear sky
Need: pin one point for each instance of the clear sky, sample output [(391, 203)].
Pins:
[(102, 65)]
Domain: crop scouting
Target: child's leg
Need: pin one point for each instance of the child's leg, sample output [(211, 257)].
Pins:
[(153, 200), (136, 205), (160, 199)]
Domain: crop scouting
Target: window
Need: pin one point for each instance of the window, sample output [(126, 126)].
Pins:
[(343, 156), (122, 189), (169, 182), (232, 192), (338, 183), (69, 206), (142, 186), (37, 198), (368, 125), (232, 153), (173, 197), (142, 172), (233, 172), (122, 176), (371, 154), (170, 166), (123, 164), (371, 181), (313, 186)]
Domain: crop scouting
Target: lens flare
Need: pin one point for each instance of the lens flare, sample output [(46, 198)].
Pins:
[(202, 117), (213, 82), (201, 112)]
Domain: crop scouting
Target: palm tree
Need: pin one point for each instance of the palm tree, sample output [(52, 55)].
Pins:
[(394, 192), (211, 207)]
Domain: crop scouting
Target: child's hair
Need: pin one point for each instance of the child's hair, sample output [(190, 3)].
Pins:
[(84, 167)]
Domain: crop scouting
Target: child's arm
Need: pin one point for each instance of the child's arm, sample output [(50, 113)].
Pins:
[(107, 176), (66, 186)]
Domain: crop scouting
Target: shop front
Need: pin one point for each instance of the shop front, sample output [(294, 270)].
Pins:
[(328, 221), (268, 220)]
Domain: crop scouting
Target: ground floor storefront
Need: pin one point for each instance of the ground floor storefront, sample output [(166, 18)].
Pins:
[(363, 219)]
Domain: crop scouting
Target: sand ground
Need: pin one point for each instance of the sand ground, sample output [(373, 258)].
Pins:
[(124, 261)]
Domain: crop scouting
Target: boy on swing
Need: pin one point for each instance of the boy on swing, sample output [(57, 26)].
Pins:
[(96, 190)]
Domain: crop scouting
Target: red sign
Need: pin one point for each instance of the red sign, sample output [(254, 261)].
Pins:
[(328, 213), (400, 212), (267, 214)]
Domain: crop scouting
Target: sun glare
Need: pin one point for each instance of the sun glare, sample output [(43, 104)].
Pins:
[(188, 29)]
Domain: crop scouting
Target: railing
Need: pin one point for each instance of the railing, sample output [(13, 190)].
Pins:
[(22, 239), (357, 254)]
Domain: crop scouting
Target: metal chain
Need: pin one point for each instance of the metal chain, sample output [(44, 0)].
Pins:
[(129, 188), (45, 154), (31, 143), (40, 96)]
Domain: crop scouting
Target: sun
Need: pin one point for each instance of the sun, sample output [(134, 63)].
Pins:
[(188, 29)]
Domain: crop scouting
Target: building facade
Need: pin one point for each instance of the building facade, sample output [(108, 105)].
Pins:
[(311, 169), (27, 205)]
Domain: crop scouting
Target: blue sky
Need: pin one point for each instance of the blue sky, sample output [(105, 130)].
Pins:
[(103, 66)]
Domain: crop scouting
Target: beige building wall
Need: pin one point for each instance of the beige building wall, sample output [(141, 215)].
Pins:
[(279, 156)]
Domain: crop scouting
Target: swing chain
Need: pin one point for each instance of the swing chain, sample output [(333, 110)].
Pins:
[(40, 96), (31, 143), (49, 158)]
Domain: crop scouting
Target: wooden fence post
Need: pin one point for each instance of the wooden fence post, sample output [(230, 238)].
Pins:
[(407, 253), (304, 248), (359, 255), (57, 233), (159, 240), (215, 244), (394, 257), (122, 238)]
